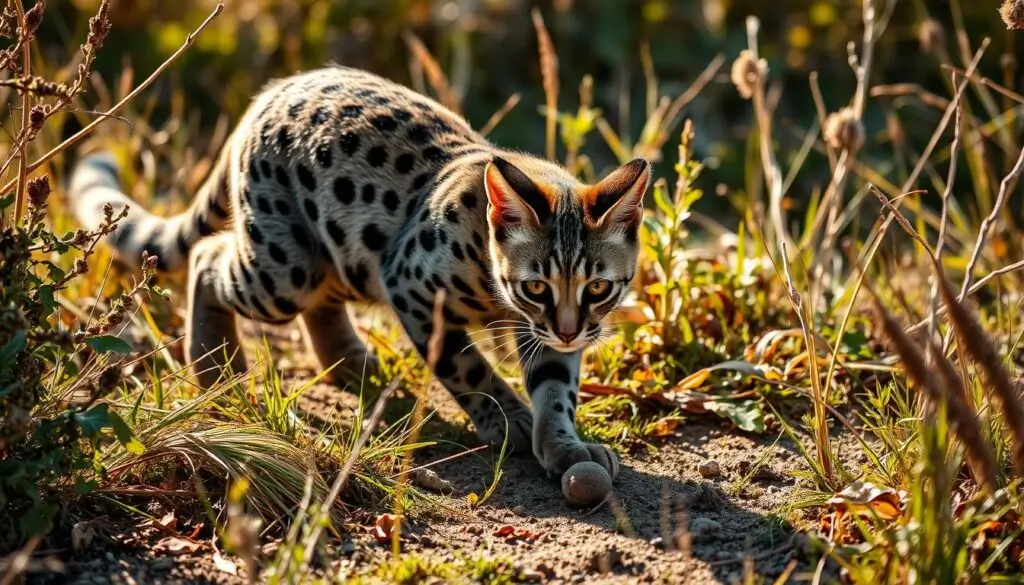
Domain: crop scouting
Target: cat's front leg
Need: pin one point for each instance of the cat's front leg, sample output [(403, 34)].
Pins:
[(552, 379)]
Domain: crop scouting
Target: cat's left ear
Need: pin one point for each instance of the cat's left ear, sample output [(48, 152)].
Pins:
[(617, 201)]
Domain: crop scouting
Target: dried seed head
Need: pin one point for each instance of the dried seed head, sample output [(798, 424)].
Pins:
[(931, 35), (747, 72), (81, 266), (843, 131), (1012, 12), (110, 378), (34, 16), (38, 191)]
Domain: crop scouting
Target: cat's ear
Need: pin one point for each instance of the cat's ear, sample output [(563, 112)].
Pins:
[(617, 201), (514, 199)]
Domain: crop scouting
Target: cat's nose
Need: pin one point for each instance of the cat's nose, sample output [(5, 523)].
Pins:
[(567, 336)]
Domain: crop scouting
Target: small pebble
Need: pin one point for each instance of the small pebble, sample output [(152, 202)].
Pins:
[(704, 528), (586, 484), (710, 468)]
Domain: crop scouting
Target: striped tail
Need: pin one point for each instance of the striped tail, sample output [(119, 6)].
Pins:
[(95, 182)]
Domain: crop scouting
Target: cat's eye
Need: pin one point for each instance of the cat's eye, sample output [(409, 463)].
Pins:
[(534, 288), (598, 289)]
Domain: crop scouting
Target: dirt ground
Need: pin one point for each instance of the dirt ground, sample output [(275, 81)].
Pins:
[(661, 499)]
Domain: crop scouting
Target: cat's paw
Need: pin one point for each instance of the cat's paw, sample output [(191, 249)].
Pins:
[(561, 453)]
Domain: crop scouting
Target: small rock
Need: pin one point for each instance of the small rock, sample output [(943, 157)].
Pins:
[(605, 561), (520, 510), (474, 529), (704, 528), (82, 535), (724, 555), (710, 468), (109, 556), (162, 563), (586, 484), (658, 542)]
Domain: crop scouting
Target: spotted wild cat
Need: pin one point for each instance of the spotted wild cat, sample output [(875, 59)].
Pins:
[(339, 186)]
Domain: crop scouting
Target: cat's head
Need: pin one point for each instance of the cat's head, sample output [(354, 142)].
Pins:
[(563, 252)]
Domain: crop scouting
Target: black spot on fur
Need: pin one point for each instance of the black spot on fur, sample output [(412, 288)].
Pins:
[(377, 156), (254, 232), (405, 162), (399, 302), (246, 273), (301, 237), (462, 285), (369, 193), (558, 407), (265, 169), (305, 177), (284, 140), (296, 108), (285, 306), (277, 253), (282, 177), (401, 115), (324, 155), (416, 296), (254, 172), (298, 277), (473, 304), (420, 134), (264, 205), (351, 111), (442, 237), (373, 238), (418, 272), (548, 371), (331, 89), (357, 275), (336, 232), (452, 317), (428, 240), (384, 123), (344, 190), (312, 211), (421, 180), (319, 116), (435, 154), (475, 375), (390, 200), (267, 282), (454, 342), (203, 227), (451, 212), (349, 143), (410, 248), (418, 314), (478, 240), (457, 250), (282, 207)]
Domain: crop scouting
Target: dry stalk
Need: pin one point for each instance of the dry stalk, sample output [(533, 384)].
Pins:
[(435, 75), (945, 388), (976, 343), (549, 74), (112, 112), (500, 114)]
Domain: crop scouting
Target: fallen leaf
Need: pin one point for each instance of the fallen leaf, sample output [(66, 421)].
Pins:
[(224, 564), (429, 479), (866, 499), (511, 533), (384, 528), (747, 414), (664, 426), (172, 545)]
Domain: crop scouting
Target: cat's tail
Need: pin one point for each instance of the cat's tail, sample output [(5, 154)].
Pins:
[(95, 182)]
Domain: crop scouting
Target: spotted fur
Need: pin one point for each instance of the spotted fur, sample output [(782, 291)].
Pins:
[(338, 186)]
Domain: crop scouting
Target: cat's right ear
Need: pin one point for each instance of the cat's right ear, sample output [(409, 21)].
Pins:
[(515, 200)]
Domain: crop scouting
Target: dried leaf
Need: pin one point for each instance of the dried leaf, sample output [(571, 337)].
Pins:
[(174, 546), (384, 528), (224, 564), (866, 499), (429, 479)]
